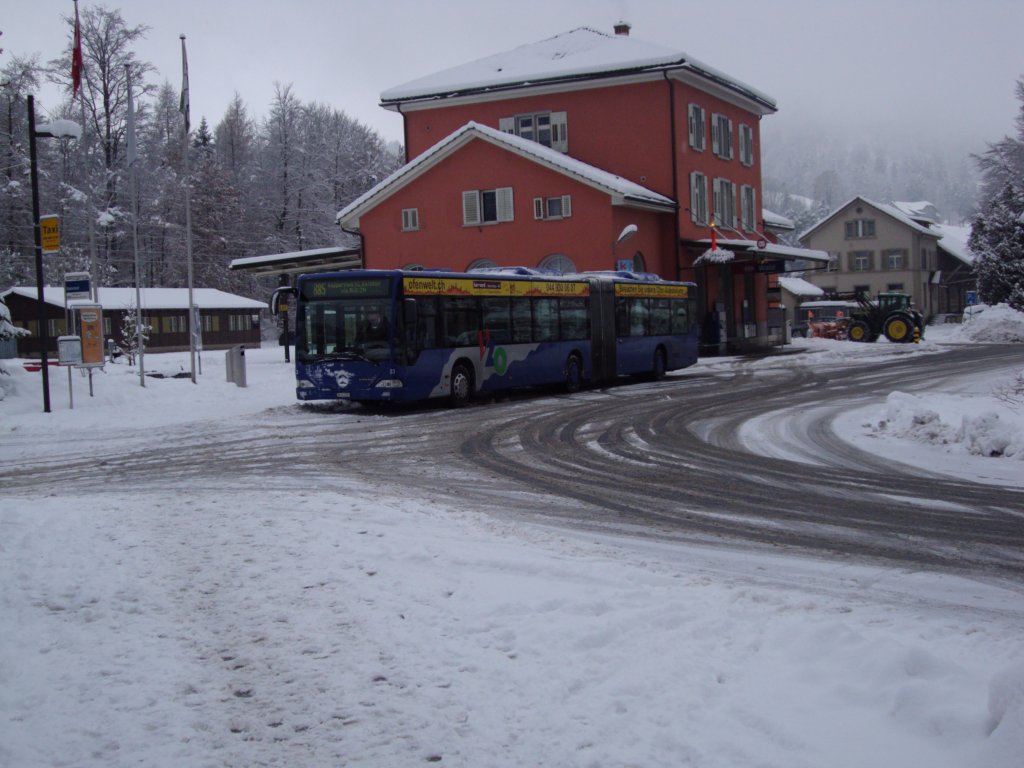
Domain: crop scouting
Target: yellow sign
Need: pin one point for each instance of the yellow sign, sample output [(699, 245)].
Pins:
[(49, 228), (652, 290)]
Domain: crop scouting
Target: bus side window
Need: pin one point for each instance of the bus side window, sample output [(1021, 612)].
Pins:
[(461, 321), (426, 322), (660, 318), (680, 319), (573, 313), (638, 317), (545, 319), (522, 320), (497, 321), (621, 317)]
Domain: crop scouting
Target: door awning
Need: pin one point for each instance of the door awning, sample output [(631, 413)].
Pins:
[(769, 250)]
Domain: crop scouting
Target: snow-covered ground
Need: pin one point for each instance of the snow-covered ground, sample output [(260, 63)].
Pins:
[(223, 625)]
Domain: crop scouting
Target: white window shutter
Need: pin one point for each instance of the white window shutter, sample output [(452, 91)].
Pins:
[(692, 125), (716, 195), (507, 124), (566, 206), (471, 207), (538, 207), (728, 140), (559, 132), (716, 134), (506, 209)]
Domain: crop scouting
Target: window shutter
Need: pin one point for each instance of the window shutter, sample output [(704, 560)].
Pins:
[(728, 140), (566, 206), (717, 198), (559, 132), (698, 198), (692, 125), (470, 207), (507, 125), (716, 134), (538, 207), (506, 211)]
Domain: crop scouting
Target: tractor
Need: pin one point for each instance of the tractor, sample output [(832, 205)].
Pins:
[(891, 314)]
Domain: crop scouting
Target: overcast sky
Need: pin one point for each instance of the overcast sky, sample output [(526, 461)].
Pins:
[(943, 67)]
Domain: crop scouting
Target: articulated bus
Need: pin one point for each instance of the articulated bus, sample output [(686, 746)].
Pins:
[(400, 336)]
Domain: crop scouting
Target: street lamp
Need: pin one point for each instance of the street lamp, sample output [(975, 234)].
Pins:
[(58, 129)]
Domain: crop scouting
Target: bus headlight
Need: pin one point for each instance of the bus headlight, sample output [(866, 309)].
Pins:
[(389, 384)]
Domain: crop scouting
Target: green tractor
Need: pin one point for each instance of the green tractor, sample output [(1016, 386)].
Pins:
[(891, 314)]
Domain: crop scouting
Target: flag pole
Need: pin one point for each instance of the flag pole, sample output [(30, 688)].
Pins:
[(133, 183), (184, 107)]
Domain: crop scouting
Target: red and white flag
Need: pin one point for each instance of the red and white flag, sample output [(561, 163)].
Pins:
[(77, 66)]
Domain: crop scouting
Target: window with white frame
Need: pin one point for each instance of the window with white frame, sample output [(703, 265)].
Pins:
[(487, 206), (833, 262), (861, 261), (559, 207), (858, 228), (548, 128), (894, 258), (696, 122), (558, 262), (746, 144), (721, 136), (698, 198), (410, 219), (748, 208), (725, 202)]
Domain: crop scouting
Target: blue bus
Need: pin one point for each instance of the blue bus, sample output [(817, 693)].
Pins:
[(401, 336)]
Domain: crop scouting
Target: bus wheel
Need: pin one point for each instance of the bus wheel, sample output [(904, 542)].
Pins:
[(462, 386), (658, 368), (573, 374)]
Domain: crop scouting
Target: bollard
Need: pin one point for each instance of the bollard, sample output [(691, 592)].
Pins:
[(917, 335)]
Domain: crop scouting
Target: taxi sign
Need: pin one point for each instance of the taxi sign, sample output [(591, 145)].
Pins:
[(49, 229)]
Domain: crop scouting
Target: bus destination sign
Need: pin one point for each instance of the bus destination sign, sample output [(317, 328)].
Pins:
[(341, 288)]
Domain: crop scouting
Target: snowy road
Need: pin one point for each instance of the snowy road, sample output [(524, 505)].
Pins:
[(672, 459)]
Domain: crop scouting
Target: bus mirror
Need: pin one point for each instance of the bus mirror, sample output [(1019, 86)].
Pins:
[(279, 301)]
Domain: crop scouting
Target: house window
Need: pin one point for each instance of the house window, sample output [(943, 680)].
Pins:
[(108, 327), (487, 206), (833, 262), (482, 264), (721, 136), (894, 287), (552, 207), (748, 207), (924, 258), (410, 219), (861, 261), (547, 128), (725, 202), (696, 120), (894, 258), (173, 324), (862, 290), (746, 144), (698, 198), (860, 228), (211, 323), (55, 327)]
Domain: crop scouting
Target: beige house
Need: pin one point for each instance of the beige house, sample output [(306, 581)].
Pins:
[(875, 247)]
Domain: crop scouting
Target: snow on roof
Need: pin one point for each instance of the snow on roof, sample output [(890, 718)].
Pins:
[(581, 53), (777, 221), (623, 191), (919, 211), (800, 287), (889, 210), (954, 241), (152, 298)]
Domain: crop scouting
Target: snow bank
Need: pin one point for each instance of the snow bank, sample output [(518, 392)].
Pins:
[(999, 324)]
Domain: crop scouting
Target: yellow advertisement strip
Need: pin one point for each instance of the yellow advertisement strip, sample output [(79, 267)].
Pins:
[(444, 286), (652, 291)]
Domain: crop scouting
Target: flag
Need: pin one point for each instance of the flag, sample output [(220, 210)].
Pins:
[(183, 106), (130, 130), (76, 57)]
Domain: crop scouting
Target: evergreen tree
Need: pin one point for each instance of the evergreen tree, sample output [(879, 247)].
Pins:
[(997, 232)]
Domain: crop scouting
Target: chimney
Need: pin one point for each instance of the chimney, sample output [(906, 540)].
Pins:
[(622, 28)]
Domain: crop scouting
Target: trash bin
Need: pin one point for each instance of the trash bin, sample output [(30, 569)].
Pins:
[(234, 365)]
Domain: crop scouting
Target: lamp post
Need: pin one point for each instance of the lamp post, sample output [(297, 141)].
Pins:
[(59, 129)]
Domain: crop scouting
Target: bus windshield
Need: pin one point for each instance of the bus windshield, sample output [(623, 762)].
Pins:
[(345, 320)]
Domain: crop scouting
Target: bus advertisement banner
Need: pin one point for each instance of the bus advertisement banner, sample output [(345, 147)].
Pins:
[(444, 286), (652, 291)]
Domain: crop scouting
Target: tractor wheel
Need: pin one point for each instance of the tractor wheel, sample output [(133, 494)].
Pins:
[(899, 329), (858, 330)]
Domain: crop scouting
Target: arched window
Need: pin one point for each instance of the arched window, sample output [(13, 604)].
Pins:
[(638, 262), (413, 267), (482, 264), (557, 262)]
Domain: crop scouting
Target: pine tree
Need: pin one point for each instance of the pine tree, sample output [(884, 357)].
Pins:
[(997, 232)]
